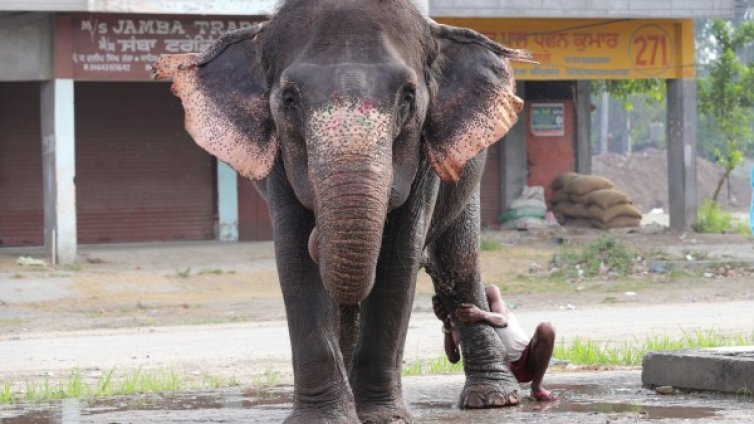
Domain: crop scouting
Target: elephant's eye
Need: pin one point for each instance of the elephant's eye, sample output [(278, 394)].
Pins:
[(406, 106), (289, 99), (409, 97)]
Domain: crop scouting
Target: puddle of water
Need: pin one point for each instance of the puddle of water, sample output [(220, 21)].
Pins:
[(580, 401), (650, 412)]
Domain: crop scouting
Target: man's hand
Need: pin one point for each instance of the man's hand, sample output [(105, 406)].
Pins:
[(468, 312)]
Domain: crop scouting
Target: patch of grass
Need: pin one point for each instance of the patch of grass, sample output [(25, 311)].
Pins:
[(606, 253), (74, 267), (745, 392), (185, 273), (16, 276), (439, 365), (215, 382), (675, 274), (626, 284), (656, 255), (588, 352), (711, 218), (609, 300), (214, 271), (269, 378), (489, 245), (696, 255), (136, 382), (6, 394), (524, 283)]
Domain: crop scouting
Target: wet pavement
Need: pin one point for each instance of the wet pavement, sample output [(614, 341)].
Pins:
[(587, 397)]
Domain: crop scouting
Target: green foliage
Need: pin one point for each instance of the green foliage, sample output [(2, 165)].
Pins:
[(607, 253), (136, 382), (269, 378), (653, 90), (713, 219), (439, 365), (588, 352), (6, 394), (725, 94), (489, 245), (185, 273)]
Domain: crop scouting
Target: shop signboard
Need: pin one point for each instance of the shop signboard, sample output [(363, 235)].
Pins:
[(547, 119), (594, 49), (114, 47)]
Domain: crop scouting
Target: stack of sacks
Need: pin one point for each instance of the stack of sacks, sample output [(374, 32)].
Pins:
[(528, 211), (592, 201)]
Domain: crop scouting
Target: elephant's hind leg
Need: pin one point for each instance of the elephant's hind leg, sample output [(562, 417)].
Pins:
[(453, 264)]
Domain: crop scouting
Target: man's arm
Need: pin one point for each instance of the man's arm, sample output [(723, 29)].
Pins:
[(498, 315), (469, 312)]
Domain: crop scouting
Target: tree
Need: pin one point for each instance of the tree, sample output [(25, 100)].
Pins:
[(653, 89), (725, 93)]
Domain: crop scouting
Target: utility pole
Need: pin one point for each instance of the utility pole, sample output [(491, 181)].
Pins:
[(604, 121)]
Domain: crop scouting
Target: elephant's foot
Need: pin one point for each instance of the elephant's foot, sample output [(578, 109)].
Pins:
[(390, 413), (489, 394), (317, 416)]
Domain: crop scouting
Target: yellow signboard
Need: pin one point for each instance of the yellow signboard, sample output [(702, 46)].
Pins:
[(594, 49)]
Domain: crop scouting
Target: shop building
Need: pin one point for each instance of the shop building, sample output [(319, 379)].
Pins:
[(93, 151)]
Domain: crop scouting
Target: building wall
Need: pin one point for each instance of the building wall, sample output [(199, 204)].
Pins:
[(440, 8), (583, 8), (216, 7), (25, 46)]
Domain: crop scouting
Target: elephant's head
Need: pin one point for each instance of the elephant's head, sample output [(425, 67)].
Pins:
[(350, 95)]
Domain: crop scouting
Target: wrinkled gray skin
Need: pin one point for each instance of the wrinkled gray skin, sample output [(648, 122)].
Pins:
[(367, 126)]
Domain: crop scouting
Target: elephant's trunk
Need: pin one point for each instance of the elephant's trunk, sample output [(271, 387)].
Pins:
[(348, 237), (350, 168)]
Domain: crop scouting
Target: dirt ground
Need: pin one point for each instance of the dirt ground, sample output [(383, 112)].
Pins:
[(147, 285), (210, 308)]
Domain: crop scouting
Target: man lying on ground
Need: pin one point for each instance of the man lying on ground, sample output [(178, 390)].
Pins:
[(527, 359)]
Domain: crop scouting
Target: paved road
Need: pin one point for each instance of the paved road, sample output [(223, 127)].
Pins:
[(256, 347)]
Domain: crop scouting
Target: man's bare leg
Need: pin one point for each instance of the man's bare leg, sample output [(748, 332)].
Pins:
[(540, 352), (540, 346)]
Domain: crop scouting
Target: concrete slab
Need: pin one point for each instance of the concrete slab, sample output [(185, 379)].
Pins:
[(720, 369)]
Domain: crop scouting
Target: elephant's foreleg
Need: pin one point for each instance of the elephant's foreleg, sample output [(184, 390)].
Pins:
[(377, 360), (321, 390), (453, 264)]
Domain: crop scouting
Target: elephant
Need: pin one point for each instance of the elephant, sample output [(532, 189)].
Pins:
[(365, 126)]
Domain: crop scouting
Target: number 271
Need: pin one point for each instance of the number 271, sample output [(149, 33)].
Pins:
[(648, 48)]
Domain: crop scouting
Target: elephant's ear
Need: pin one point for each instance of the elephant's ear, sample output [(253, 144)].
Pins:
[(475, 104), (225, 98)]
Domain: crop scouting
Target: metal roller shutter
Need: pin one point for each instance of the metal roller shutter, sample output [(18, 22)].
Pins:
[(21, 203), (490, 187), (139, 176), (253, 216)]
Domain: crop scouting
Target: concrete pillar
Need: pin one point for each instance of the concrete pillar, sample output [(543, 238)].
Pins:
[(59, 170), (514, 169), (583, 127), (681, 140), (227, 202)]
